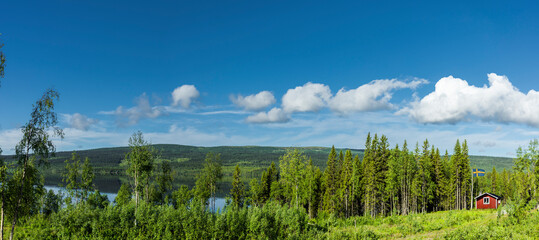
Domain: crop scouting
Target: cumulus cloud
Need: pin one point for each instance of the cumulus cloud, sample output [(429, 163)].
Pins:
[(310, 97), (275, 115), (254, 102), (80, 122), (184, 95), (369, 97), (454, 100), (142, 110)]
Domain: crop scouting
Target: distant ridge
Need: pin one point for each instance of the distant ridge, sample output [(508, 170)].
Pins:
[(248, 156)]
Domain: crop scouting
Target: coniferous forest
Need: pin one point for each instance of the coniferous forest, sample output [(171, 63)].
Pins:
[(391, 192)]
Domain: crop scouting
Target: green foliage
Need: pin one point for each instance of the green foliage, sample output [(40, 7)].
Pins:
[(331, 182), (295, 196), (72, 178), (51, 203), (140, 163), (163, 184), (238, 189), (182, 196), (124, 195), (206, 184), (98, 200), (293, 172), (87, 179)]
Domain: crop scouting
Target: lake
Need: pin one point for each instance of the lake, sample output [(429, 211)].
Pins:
[(219, 201)]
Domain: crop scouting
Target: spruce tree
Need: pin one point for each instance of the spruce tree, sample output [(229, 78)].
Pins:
[(330, 181), (493, 180), (345, 188), (392, 179), (357, 193), (238, 188)]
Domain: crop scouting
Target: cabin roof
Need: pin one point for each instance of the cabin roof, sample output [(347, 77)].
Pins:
[(490, 194)]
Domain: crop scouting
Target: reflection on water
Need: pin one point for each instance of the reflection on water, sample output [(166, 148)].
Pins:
[(111, 184), (219, 201), (55, 189)]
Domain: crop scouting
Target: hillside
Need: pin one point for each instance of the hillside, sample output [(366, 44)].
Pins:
[(192, 157), (188, 160)]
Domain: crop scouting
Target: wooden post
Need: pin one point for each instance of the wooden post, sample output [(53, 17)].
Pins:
[(471, 194)]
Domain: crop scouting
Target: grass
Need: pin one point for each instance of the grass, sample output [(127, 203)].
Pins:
[(455, 224)]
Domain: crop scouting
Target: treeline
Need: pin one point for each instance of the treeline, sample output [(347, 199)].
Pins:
[(392, 181), (385, 182)]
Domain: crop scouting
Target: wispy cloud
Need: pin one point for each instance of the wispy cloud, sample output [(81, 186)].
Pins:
[(79, 121), (370, 97), (142, 110)]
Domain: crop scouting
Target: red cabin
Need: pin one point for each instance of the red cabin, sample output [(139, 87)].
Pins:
[(487, 201)]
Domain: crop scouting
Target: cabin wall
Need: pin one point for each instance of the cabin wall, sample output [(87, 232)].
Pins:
[(492, 205)]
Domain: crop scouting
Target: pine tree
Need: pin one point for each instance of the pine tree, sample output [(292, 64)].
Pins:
[(466, 175), (330, 181), (392, 179), (456, 175), (382, 156), (406, 178), (424, 176), (446, 186), (440, 180), (345, 188), (370, 175), (357, 193), (493, 181), (312, 183), (416, 182), (238, 189)]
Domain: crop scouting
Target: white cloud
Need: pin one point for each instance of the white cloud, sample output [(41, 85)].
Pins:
[(184, 95), (254, 102), (141, 111), (275, 115), (454, 100), (369, 97), (310, 97), (79, 121)]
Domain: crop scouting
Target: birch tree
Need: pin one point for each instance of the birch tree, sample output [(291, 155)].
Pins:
[(36, 145)]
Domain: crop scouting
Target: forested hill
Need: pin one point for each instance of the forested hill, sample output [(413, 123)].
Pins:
[(252, 157)]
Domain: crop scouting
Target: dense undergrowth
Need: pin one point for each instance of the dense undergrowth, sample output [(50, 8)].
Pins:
[(272, 221)]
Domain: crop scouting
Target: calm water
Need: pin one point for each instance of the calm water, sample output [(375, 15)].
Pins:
[(219, 201)]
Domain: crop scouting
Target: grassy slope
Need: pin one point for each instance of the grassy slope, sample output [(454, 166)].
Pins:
[(456, 224)]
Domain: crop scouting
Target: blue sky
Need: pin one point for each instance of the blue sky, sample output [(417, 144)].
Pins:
[(275, 74)]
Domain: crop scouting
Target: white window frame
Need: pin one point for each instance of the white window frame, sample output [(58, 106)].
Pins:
[(486, 200)]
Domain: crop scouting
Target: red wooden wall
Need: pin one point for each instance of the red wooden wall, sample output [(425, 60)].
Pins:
[(493, 203)]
